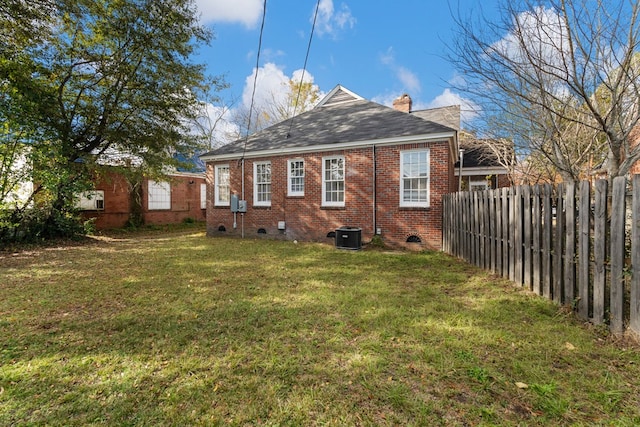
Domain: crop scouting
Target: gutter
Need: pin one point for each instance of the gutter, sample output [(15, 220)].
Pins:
[(332, 147)]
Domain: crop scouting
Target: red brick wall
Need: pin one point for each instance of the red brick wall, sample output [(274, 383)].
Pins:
[(185, 202), (116, 202), (306, 219)]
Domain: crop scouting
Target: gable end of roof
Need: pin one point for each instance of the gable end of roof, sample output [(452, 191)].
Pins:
[(338, 95)]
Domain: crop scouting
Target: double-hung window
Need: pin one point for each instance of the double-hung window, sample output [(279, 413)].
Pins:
[(295, 177), (222, 186), (159, 195), (262, 184), (414, 178), (333, 181)]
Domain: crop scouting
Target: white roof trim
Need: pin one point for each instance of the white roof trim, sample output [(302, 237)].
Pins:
[(188, 174), (333, 92), (478, 170), (334, 147)]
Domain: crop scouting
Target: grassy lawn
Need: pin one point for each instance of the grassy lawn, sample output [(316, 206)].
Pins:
[(180, 329)]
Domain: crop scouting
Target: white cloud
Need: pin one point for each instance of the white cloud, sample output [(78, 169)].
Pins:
[(468, 109), (541, 31), (272, 87), (407, 78), (246, 12), (329, 21)]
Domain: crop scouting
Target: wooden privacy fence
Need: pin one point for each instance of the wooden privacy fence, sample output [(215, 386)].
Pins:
[(574, 244)]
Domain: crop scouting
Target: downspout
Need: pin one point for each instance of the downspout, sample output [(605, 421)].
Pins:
[(242, 213), (375, 190)]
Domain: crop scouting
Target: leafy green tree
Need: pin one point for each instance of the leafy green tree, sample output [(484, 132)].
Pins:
[(105, 81)]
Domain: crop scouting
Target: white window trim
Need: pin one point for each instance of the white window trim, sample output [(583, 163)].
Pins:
[(410, 204), (290, 191), (255, 185), (216, 187), (92, 200), (203, 196), (161, 205), (324, 182)]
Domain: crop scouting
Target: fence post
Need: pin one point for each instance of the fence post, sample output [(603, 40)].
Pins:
[(584, 255), (599, 250), (618, 211), (634, 315)]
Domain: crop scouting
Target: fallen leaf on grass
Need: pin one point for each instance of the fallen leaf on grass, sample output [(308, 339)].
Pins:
[(569, 346), (522, 385)]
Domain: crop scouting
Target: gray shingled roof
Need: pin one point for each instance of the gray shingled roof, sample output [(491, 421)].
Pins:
[(330, 123)]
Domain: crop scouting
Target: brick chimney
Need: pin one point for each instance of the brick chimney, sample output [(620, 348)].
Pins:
[(403, 103)]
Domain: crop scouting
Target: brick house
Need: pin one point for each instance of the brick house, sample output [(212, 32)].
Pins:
[(481, 169), (348, 162), (180, 196)]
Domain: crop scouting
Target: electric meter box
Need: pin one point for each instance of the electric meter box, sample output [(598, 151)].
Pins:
[(238, 205)]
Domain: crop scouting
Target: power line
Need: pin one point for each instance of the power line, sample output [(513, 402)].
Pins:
[(255, 78), (304, 68)]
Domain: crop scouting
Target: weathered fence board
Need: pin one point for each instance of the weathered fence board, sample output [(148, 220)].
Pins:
[(536, 219), (570, 244), (634, 312), (547, 230), (599, 251), (616, 323), (584, 255), (568, 247), (504, 201), (558, 248), (526, 236)]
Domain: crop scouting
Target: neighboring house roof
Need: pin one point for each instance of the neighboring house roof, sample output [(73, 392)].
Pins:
[(478, 157), (342, 119), (448, 116)]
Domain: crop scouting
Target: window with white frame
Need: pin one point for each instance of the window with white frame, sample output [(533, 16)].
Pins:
[(159, 195), (222, 185), (296, 177), (262, 184), (414, 178), (90, 200), (333, 181), (203, 196)]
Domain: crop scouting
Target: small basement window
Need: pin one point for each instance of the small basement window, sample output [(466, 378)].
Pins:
[(331, 234), (262, 231), (414, 239), (222, 228)]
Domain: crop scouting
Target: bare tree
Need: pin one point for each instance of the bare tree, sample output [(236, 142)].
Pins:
[(212, 121), (561, 79), (294, 98)]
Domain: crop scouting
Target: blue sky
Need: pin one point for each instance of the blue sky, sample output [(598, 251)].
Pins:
[(378, 49)]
